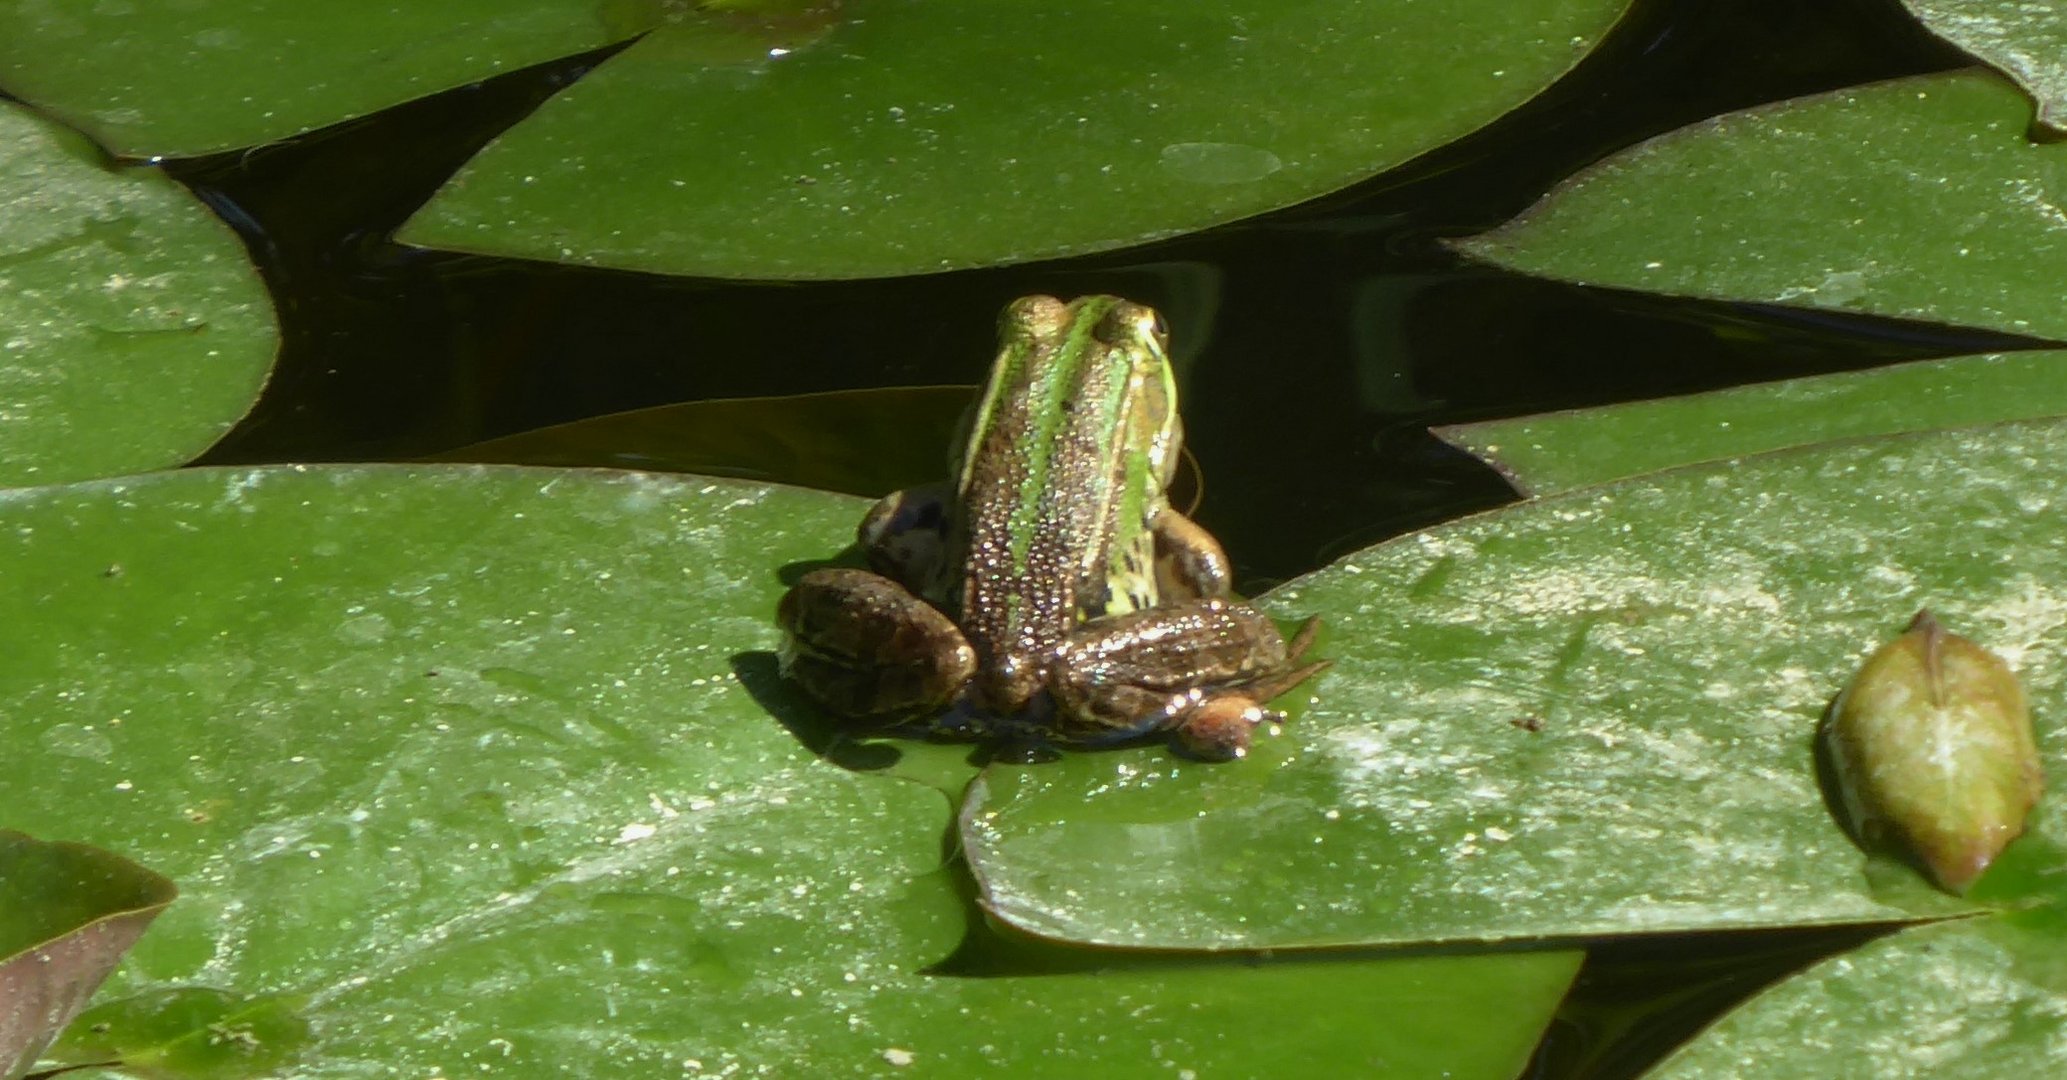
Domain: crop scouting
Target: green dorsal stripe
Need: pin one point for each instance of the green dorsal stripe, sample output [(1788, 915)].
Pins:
[(1062, 435)]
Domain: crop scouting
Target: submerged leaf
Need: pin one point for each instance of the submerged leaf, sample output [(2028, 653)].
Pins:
[(189, 1034), (863, 442), (1932, 743)]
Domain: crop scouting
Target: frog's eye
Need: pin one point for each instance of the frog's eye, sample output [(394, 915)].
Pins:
[(1145, 322)]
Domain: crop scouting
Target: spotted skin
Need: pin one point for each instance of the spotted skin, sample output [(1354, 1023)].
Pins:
[(1048, 593)]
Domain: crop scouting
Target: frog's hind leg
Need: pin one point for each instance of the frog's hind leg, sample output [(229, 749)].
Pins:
[(866, 648), (1208, 724), (1219, 726), (1199, 671)]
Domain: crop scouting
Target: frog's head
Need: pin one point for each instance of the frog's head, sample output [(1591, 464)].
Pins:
[(1098, 352)]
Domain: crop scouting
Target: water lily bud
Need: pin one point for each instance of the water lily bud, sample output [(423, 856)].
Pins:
[(1933, 750)]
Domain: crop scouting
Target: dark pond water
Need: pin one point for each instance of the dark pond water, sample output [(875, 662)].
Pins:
[(1339, 331), (1323, 340)]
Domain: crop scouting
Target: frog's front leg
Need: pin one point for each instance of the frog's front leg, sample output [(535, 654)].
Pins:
[(864, 646), (1189, 563), (1201, 671)]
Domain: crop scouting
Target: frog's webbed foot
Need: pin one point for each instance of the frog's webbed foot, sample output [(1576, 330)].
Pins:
[(1199, 671), (1211, 724), (1218, 728), (864, 647)]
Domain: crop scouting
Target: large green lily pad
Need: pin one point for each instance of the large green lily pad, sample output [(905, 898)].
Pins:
[(1553, 452), (1586, 714), (1919, 197), (914, 137), (126, 73), (133, 329), (465, 768), (2026, 41)]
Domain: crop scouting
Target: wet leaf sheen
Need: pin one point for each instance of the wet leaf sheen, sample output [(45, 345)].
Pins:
[(1918, 197), (1587, 714), (133, 329), (473, 769), (2024, 40), (914, 136), (1553, 452)]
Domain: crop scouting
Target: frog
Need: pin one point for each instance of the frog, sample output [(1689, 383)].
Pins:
[(1047, 593)]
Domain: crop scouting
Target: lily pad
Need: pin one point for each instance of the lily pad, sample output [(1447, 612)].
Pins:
[(1554, 452), (67, 913), (1583, 715), (1976, 998), (1918, 197), (472, 767), (133, 329), (125, 73), (917, 137), (2027, 42)]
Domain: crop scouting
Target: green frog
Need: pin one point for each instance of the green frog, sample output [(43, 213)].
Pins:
[(1048, 593)]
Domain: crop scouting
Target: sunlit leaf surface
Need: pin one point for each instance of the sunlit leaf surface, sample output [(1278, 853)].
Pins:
[(911, 137), (2027, 41), (468, 768), (1919, 197), (1587, 714), (128, 73), (133, 329), (1553, 452)]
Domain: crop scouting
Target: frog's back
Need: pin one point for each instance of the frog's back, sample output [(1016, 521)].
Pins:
[(1053, 487)]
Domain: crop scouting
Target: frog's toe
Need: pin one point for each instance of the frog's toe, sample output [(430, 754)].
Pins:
[(1219, 728)]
